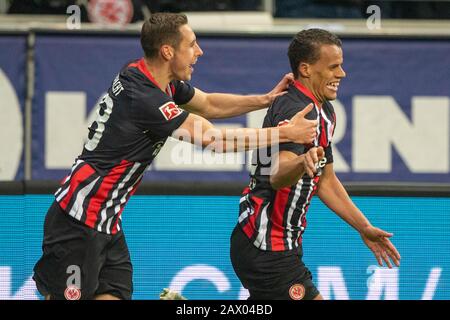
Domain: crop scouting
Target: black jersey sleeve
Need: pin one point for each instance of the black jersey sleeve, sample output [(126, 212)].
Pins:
[(158, 114), (329, 154), (183, 92), (281, 113), (296, 148)]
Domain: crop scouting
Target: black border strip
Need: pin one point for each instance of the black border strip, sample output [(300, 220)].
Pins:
[(12, 187), (235, 188), (14, 33)]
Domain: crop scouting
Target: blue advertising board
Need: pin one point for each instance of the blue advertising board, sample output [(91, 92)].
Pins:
[(12, 102), (393, 108), (182, 242)]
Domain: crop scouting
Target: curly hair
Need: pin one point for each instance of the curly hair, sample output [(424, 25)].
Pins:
[(305, 47)]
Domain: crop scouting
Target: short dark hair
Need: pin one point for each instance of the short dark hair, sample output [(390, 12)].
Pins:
[(305, 46), (159, 29)]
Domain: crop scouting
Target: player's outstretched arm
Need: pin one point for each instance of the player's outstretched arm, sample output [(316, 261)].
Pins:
[(334, 196), (223, 105), (199, 131)]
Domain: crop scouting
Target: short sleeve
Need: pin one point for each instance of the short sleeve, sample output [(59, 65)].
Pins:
[(158, 114), (329, 154), (296, 148), (183, 92), (280, 115)]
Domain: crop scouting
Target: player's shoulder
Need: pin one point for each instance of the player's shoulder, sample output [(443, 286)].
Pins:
[(289, 102), (132, 74), (142, 87), (151, 97)]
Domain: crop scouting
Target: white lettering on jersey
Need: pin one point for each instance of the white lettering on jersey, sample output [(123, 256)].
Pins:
[(320, 165), (157, 147), (117, 87)]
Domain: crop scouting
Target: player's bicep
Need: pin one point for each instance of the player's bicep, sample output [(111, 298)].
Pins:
[(198, 104), (327, 179), (327, 172), (279, 158)]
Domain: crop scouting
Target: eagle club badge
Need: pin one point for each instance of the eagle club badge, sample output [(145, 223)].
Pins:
[(297, 291), (72, 293), (110, 12)]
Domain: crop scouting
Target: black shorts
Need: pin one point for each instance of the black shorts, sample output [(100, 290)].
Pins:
[(74, 254), (270, 275)]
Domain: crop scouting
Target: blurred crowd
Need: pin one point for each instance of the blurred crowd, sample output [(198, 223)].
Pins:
[(136, 10), (390, 9)]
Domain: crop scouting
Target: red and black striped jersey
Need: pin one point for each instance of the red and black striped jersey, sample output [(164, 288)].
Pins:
[(275, 220), (134, 120)]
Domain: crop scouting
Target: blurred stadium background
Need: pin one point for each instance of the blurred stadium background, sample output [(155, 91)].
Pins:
[(391, 143)]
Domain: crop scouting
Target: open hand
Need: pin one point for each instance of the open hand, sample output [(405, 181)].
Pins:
[(378, 242)]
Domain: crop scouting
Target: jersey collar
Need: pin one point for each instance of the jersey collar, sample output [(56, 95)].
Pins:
[(306, 92), (143, 68), (140, 64)]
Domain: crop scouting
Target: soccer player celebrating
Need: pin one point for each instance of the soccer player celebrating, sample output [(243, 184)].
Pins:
[(82, 230), (266, 245)]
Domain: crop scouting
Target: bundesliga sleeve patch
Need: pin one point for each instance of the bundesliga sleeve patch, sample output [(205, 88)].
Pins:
[(170, 110)]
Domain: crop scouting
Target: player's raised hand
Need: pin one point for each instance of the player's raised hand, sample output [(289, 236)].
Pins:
[(304, 130), (280, 88)]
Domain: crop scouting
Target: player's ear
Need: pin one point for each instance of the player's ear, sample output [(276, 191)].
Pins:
[(167, 52), (304, 69)]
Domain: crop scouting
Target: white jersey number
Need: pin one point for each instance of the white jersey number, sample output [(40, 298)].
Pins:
[(104, 109)]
